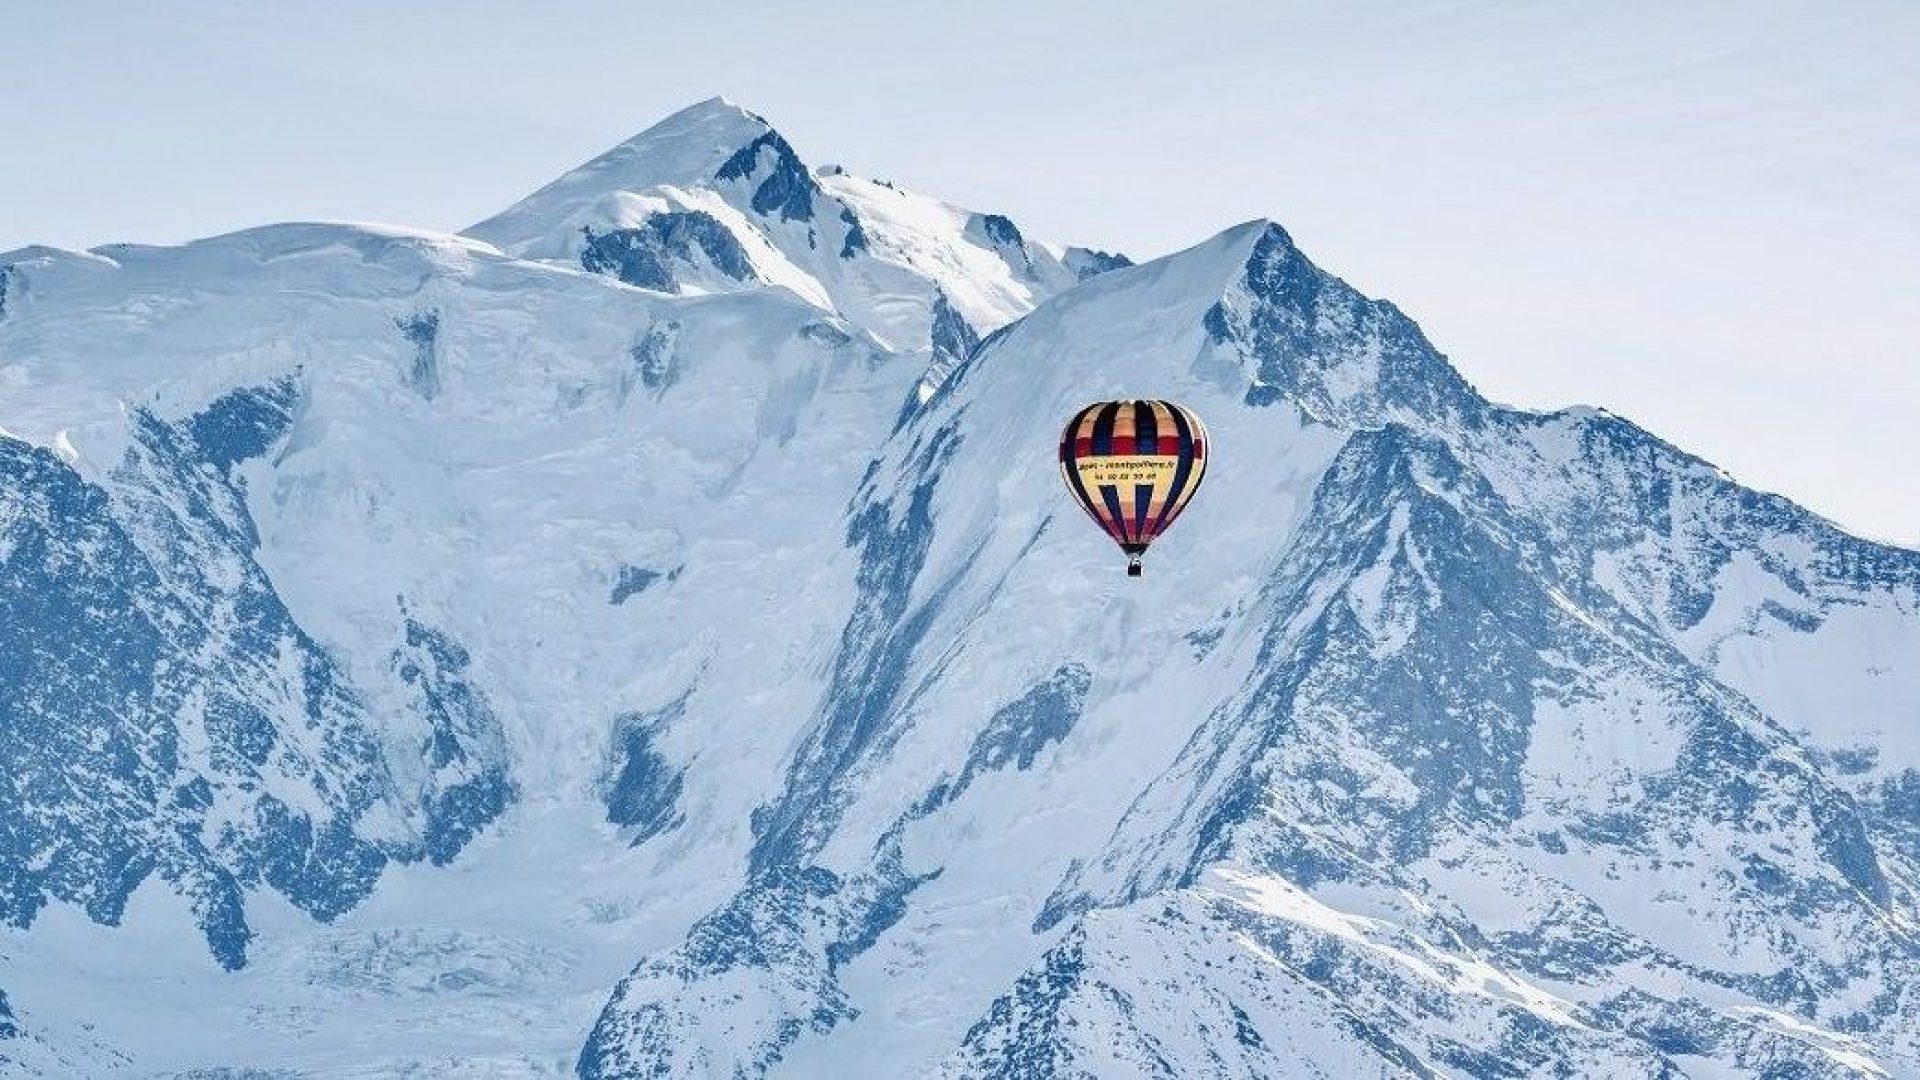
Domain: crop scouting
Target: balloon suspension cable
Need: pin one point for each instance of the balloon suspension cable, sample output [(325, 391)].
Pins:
[(1133, 566)]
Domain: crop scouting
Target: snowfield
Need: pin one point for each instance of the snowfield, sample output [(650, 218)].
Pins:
[(646, 635)]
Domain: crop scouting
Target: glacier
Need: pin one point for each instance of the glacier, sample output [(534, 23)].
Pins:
[(644, 635)]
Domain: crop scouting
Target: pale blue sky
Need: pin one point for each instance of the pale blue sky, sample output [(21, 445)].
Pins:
[(1703, 216)]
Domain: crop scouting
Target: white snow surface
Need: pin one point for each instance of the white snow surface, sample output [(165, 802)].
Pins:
[(1437, 739)]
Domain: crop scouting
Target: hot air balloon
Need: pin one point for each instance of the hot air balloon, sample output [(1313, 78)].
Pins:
[(1133, 466)]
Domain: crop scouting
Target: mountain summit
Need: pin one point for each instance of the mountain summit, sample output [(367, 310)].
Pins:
[(645, 635), (686, 150), (714, 199)]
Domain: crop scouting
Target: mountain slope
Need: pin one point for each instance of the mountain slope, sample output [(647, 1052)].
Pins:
[(1432, 702), (657, 624)]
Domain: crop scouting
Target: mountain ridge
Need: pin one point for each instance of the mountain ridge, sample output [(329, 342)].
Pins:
[(708, 580)]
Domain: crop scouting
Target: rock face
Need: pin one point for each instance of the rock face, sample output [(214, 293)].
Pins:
[(168, 717), (645, 636)]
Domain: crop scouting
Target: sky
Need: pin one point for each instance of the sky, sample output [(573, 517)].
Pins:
[(1703, 216)]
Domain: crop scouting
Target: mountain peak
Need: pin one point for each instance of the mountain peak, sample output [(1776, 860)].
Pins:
[(718, 104), (687, 149), (718, 124), (712, 197), (1307, 335)]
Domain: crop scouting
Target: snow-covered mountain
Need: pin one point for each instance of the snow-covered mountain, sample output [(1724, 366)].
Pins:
[(713, 199), (645, 635)]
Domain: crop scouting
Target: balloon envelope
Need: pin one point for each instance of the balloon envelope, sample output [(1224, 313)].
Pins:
[(1133, 466)]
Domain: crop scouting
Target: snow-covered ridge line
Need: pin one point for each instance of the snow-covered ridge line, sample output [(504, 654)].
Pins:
[(645, 635), (694, 201)]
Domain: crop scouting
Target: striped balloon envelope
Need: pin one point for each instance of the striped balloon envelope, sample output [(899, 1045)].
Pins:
[(1133, 466)]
